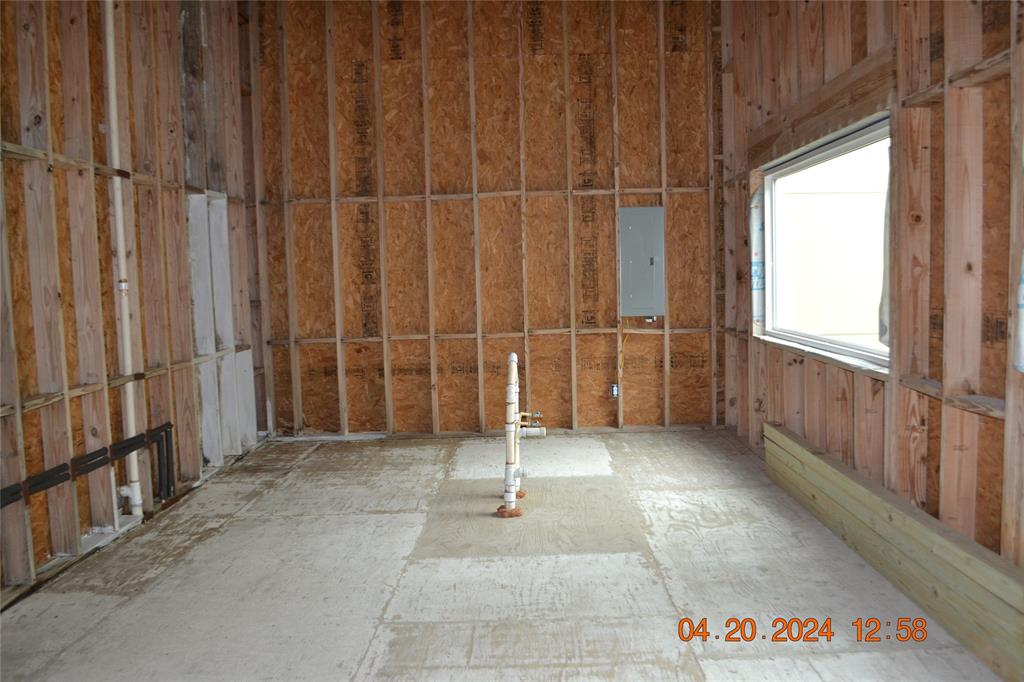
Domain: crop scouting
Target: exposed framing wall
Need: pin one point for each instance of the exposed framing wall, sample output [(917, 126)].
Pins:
[(943, 426), (447, 193), (181, 138)]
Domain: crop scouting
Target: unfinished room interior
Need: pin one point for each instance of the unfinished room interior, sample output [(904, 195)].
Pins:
[(438, 340)]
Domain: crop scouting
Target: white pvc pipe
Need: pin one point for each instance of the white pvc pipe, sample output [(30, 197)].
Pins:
[(134, 489), (511, 432)]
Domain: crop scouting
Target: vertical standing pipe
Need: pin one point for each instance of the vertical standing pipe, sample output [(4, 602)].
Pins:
[(134, 489), (511, 428)]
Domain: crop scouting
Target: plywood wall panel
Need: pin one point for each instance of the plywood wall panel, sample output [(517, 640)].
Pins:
[(547, 261), (496, 378), (284, 411), (448, 94), (180, 303), (595, 262), (410, 377), (689, 379), (937, 244), (543, 95), (501, 264), (454, 274), (551, 380), (306, 70), (686, 260), (271, 93), (595, 373), (408, 304), (686, 94), (360, 270), (989, 497), (402, 98), (318, 364), (591, 101), (869, 427), (21, 302), (495, 45), (636, 29), (457, 386), (355, 122), (642, 379), (10, 116), (314, 281), (65, 273), (364, 379)]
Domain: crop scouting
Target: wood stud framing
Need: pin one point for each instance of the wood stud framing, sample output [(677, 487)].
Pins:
[(540, 58), (937, 427)]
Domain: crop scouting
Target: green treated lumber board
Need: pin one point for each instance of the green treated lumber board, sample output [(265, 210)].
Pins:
[(996, 573), (1003, 655)]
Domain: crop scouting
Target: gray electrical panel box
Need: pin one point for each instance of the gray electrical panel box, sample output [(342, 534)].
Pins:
[(642, 261)]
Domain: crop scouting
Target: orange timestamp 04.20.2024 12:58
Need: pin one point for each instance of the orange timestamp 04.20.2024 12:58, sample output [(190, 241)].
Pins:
[(805, 630)]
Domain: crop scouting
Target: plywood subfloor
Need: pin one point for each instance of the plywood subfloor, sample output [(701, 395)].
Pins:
[(381, 559)]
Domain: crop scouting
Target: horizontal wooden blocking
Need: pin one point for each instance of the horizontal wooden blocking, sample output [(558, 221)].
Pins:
[(975, 594)]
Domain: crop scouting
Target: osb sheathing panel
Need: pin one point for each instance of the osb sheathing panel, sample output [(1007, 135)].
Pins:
[(410, 379), (988, 503), (636, 28), (105, 234), (543, 95), (364, 381), (140, 27), (995, 26), (457, 388), (277, 270), (314, 279), (689, 379), (496, 378), (354, 99), (642, 379), (495, 45), (67, 283), (686, 94), (595, 264), (547, 261), (21, 297), (168, 57), (309, 151), (936, 270), (686, 260), (186, 427), (408, 302), (270, 91), (151, 259), (179, 309), (39, 514), (454, 273), (448, 82), (551, 379), (360, 270), (591, 99), (97, 86), (283, 389), (596, 364), (501, 264), (318, 364), (995, 237), (402, 98), (10, 112)]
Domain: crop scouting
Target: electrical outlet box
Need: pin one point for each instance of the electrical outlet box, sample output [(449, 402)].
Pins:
[(642, 261)]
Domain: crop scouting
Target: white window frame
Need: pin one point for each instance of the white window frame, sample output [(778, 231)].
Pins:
[(846, 142)]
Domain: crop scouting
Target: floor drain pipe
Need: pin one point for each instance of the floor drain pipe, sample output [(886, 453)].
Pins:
[(133, 491)]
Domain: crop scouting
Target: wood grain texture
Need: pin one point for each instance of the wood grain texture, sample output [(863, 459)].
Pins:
[(495, 35), (457, 385), (637, 44), (689, 378), (596, 364), (319, 366), (551, 380), (364, 374), (839, 411), (401, 98), (448, 78), (543, 95), (501, 269), (685, 73), (408, 302), (869, 427), (547, 260), (410, 372), (642, 379)]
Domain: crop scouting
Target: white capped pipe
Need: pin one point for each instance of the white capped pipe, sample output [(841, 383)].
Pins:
[(123, 302), (511, 431)]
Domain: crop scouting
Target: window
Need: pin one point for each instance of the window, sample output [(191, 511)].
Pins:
[(826, 246)]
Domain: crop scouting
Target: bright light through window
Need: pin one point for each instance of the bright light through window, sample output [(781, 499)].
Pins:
[(826, 246)]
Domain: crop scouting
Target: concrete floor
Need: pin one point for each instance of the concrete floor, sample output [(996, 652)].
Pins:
[(382, 559)]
